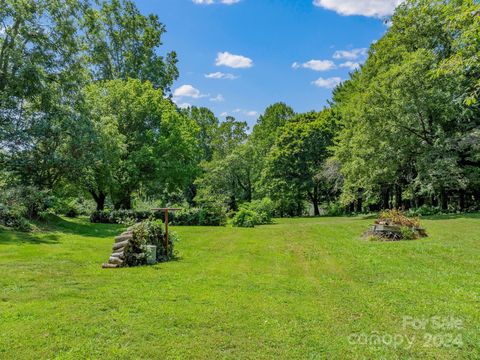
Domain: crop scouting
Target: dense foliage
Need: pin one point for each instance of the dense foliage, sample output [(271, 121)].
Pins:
[(258, 212), (209, 214), (410, 120), (86, 113), (123, 216), (149, 233)]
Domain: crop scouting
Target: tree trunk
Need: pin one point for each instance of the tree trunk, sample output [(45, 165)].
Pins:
[(316, 209), (385, 198), (232, 204), (124, 202), (444, 200), (314, 198), (419, 201), (359, 205), (398, 197), (99, 199), (351, 207), (461, 200)]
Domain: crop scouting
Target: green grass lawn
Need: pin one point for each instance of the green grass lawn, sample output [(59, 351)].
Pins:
[(298, 289)]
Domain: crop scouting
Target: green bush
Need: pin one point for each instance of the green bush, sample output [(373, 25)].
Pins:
[(12, 219), (187, 217), (210, 214), (264, 211), (424, 210), (123, 216), (334, 209), (150, 232), (257, 212), (245, 218), (72, 206), (26, 201), (408, 233)]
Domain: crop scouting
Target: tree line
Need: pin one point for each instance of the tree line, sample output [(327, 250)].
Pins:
[(86, 110)]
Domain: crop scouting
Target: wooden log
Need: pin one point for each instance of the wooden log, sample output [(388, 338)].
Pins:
[(110, 266), (122, 238), (120, 245), (114, 260), (390, 228), (119, 254)]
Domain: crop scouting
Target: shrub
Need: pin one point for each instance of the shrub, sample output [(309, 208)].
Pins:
[(257, 212), (264, 211), (408, 233), (397, 217), (334, 209), (123, 216), (394, 225), (72, 206), (71, 213), (425, 210), (245, 218), (12, 219), (212, 214), (26, 201), (151, 232), (209, 214)]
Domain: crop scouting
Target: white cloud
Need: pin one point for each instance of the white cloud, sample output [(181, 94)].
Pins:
[(233, 61), (211, 2), (184, 105), (187, 91), (374, 8), (218, 98), (329, 83), (316, 65), (350, 65), (224, 113), (221, 75), (350, 54), (251, 113)]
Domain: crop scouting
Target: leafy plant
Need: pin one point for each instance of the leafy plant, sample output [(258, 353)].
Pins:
[(245, 218), (14, 219), (150, 232), (209, 214), (122, 216), (264, 210), (397, 217)]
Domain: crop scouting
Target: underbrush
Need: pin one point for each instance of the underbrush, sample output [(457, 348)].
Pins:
[(258, 212)]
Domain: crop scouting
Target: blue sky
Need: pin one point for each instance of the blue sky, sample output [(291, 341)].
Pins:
[(239, 56)]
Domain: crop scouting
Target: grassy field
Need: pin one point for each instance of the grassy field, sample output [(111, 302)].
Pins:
[(298, 289)]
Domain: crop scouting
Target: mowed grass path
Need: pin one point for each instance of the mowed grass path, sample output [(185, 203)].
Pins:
[(293, 290)]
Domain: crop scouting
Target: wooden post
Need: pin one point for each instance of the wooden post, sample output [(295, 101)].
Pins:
[(166, 225)]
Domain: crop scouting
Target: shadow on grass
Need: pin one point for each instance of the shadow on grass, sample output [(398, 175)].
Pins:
[(9, 237), (50, 230), (80, 226)]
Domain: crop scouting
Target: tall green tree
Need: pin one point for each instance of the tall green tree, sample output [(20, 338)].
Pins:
[(140, 140), (41, 75), (122, 43), (228, 178), (403, 120), (297, 157)]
